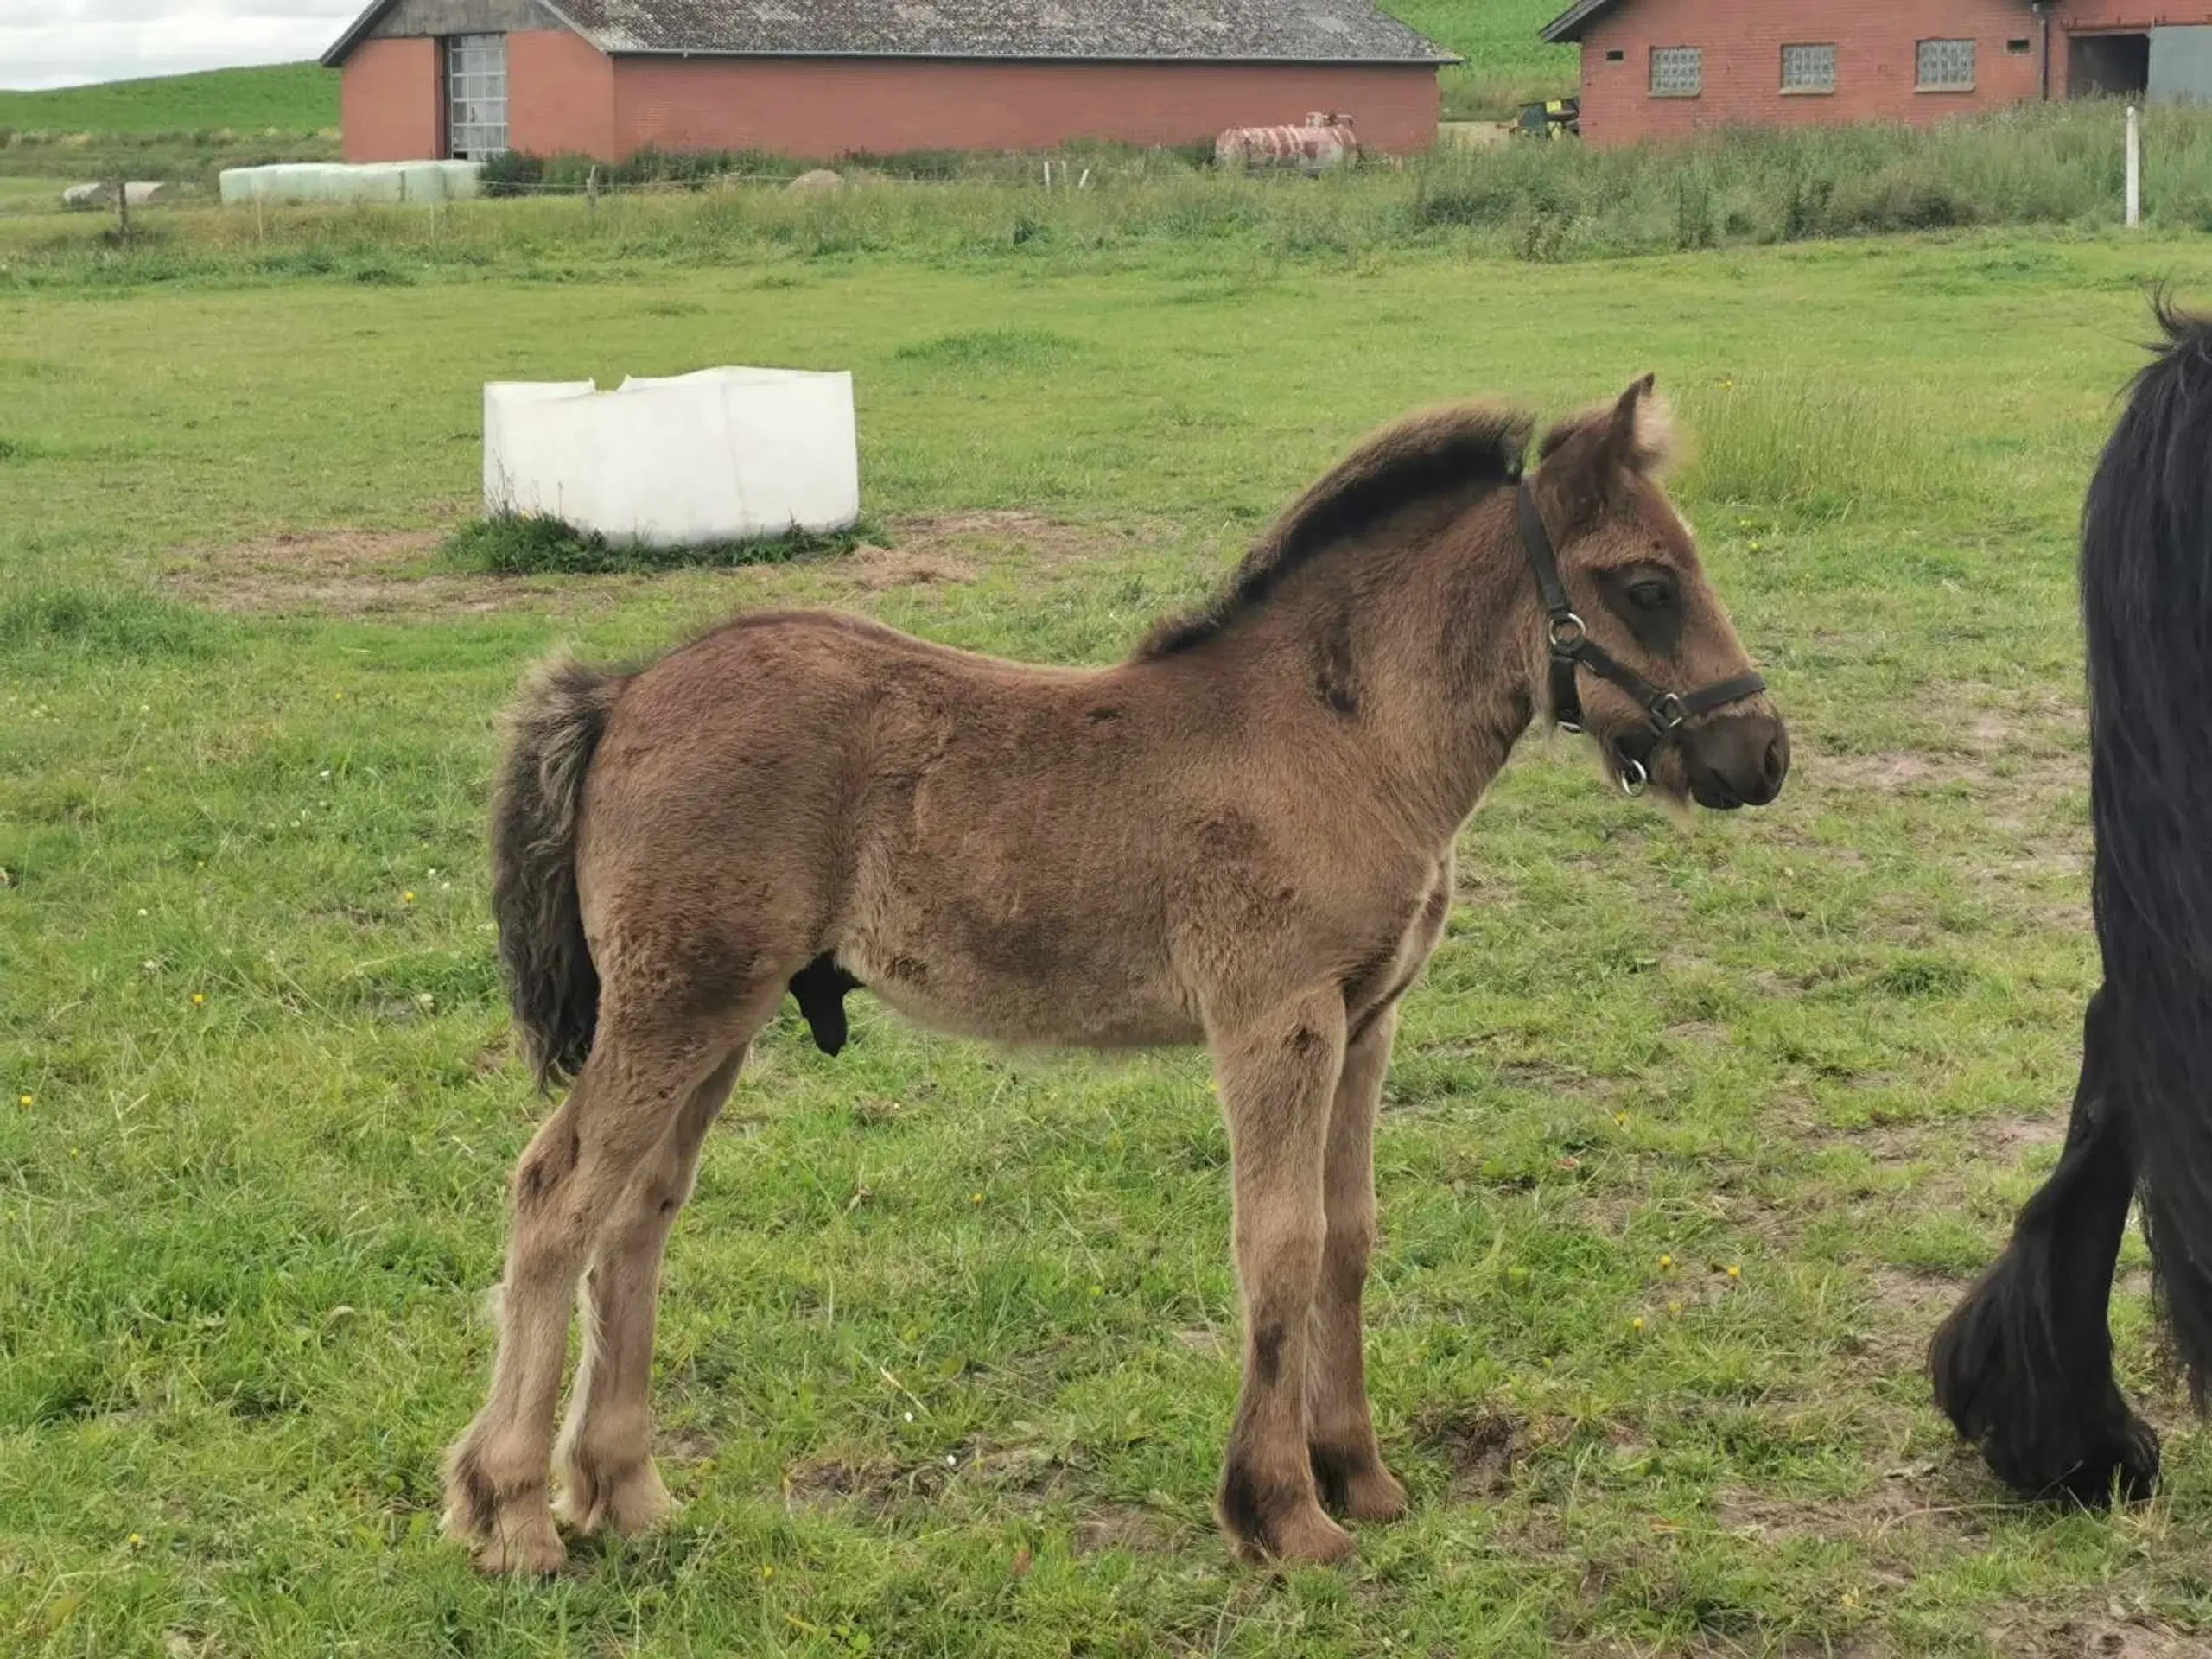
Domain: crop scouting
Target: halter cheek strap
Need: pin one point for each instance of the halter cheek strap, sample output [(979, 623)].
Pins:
[(1571, 648)]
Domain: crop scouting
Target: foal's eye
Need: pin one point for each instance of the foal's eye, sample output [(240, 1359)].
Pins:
[(1650, 594)]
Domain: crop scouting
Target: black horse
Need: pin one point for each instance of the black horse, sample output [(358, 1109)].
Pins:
[(2024, 1366)]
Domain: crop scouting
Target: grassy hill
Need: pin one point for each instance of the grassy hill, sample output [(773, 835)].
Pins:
[(285, 96), (1496, 36), (1508, 62)]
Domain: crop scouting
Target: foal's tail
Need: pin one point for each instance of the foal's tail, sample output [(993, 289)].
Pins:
[(553, 730), (2146, 600)]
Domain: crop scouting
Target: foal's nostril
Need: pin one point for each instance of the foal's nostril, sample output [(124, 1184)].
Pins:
[(1774, 766)]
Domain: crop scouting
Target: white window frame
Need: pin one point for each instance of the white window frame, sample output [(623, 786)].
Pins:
[(1802, 88), (1674, 57), (475, 81), (1956, 48)]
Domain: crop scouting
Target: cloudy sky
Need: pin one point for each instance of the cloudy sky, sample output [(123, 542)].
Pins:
[(62, 43)]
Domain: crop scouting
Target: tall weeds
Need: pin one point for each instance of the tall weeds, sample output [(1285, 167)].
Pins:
[(2053, 165)]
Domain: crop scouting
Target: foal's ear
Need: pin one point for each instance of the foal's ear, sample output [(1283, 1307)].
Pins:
[(1640, 433)]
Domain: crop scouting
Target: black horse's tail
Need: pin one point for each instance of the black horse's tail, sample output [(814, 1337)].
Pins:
[(2147, 601), (553, 731)]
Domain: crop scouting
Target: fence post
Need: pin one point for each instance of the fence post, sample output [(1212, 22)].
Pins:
[(2134, 167), (123, 211), (591, 193)]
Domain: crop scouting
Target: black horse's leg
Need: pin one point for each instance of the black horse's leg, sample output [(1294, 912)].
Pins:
[(2022, 1367), (820, 987)]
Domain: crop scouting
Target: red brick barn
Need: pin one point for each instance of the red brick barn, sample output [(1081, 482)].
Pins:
[(426, 79), (1659, 68)]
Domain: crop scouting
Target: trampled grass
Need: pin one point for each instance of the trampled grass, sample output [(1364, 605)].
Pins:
[(947, 1351)]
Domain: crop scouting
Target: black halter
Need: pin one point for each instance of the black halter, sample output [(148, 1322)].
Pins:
[(1572, 647)]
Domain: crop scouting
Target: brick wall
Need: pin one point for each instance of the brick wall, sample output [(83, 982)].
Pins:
[(560, 95), (1876, 62), (389, 102), (823, 108)]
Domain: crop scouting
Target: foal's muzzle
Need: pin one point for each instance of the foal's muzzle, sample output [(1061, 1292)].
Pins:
[(1736, 760)]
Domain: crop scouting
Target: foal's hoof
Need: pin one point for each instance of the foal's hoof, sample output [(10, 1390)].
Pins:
[(1282, 1524), (1356, 1486), (527, 1548), (2124, 1466), (625, 1502), (509, 1531), (1300, 1537)]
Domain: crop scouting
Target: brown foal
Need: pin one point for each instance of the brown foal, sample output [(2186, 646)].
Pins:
[(1241, 836)]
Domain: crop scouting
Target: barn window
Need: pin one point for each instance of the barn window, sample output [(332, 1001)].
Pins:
[(2020, 48), (1617, 56), (1947, 66), (476, 95), (1677, 71), (1808, 68)]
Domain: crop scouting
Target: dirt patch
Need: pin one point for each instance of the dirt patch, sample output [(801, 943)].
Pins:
[(878, 1484), (1893, 1515), (1886, 774), (1482, 1448), (687, 1445), (1910, 1290), (1880, 1143), (1725, 1647), (1048, 541), (878, 569), (2110, 1638), (1119, 1526), (358, 572), (342, 572), (2014, 1137), (1031, 1475)]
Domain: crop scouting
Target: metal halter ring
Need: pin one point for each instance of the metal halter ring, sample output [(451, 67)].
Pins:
[(1634, 779), (1567, 631), (1666, 711)]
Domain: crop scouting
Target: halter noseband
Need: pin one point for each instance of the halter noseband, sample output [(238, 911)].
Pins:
[(1572, 647)]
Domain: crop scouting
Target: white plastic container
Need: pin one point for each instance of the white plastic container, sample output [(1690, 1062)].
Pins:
[(419, 182), (721, 455)]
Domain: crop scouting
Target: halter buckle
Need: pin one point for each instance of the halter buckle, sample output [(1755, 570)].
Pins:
[(1634, 779), (1668, 712), (1566, 633)]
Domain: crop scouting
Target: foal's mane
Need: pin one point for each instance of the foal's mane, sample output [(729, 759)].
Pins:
[(1460, 447)]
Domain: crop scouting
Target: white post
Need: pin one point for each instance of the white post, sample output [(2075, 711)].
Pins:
[(2134, 167)]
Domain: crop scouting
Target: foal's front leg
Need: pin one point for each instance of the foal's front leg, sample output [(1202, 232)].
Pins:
[(1278, 1076), (1347, 1461)]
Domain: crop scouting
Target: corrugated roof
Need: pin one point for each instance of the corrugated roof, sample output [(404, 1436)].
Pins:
[(1567, 26), (1289, 31)]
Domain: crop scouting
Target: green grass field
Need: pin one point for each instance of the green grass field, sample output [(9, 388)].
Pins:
[(947, 1349), (284, 97), (1507, 61)]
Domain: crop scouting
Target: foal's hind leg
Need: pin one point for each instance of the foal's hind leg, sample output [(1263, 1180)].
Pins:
[(2024, 1366), (1340, 1432), (605, 1453), (643, 1069), (1278, 1076)]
